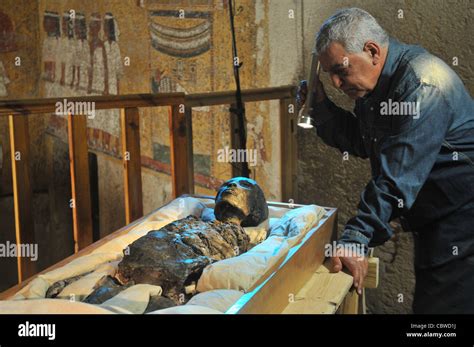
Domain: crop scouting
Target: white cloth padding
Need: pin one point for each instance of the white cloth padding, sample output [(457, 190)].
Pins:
[(84, 286), (133, 299), (242, 272), (112, 250), (298, 221), (49, 306), (187, 309), (272, 222), (37, 288), (220, 299)]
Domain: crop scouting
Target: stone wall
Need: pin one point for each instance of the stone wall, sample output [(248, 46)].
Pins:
[(444, 28)]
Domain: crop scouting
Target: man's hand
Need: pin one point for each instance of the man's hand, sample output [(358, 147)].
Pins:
[(302, 93), (358, 266)]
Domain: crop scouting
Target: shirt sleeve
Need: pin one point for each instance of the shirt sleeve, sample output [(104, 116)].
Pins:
[(406, 158), (338, 128)]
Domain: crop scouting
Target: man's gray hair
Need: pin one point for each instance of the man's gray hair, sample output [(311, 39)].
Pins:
[(352, 28)]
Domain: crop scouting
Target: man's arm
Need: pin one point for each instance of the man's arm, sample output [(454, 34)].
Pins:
[(338, 128), (406, 159)]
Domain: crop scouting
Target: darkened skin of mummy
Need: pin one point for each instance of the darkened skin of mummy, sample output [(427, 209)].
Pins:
[(174, 256)]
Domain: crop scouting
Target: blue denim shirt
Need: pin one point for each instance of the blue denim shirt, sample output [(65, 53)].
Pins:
[(422, 158)]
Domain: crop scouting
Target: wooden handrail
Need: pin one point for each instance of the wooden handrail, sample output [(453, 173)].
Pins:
[(48, 105), (248, 95), (181, 150)]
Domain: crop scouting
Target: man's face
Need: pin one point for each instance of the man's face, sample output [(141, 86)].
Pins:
[(356, 74)]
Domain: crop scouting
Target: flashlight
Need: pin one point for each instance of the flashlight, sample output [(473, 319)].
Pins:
[(304, 117)]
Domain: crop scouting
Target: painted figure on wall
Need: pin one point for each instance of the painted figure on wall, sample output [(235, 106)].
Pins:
[(66, 49), (98, 81), (7, 34), (112, 50), (160, 83), (81, 58), (51, 26), (82, 55)]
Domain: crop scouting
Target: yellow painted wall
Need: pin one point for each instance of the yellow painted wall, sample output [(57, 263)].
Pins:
[(210, 71)]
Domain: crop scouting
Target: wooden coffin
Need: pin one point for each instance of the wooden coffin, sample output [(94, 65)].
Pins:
[(273, 292)]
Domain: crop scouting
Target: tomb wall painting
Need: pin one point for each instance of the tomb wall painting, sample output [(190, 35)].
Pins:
[(81, 57), (101, 35), (58, 56), (19, 64), (183, 59), (191, 66)]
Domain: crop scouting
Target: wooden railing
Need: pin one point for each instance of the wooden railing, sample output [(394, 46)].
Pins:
[(181, 149)]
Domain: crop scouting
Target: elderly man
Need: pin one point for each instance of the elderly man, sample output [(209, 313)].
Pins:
[(414, 119)]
